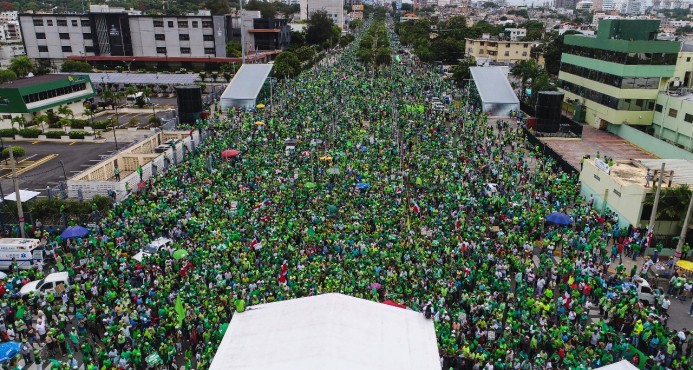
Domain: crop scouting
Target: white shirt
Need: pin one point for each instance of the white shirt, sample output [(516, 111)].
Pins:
[(666, 303)]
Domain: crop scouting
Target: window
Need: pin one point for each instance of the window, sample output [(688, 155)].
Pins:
[(182, 24), (87, 36), (158, 23), (88, 49), (507, 54), (159, 36), (525, 46), (185, 50), (206, 24), (62, 23), (43, 49), (184, 37), (195, 24), (688, 118), (673, 112), (688, 59), (40, 36), (74, 23), (85, 23), (658, 108), (507, 45), (524, 53), (64, 36), (161, 50), (67, 49), (208, 37), (49, 22), (170, 24), (38, 22), (209, 51)]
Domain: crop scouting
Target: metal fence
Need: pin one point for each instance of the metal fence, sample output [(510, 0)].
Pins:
[(546, 150), (9, 222)]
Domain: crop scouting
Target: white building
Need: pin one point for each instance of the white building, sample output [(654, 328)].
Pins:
[(333, 8), (516, 33)]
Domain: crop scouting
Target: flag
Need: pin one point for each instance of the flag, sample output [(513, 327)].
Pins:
[(285, 270), (255, 243), (180, 310), (416, 208), (261, 204), (457, 223), (649, 239)]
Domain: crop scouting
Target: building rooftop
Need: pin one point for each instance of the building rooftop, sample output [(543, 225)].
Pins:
[(30, 81)]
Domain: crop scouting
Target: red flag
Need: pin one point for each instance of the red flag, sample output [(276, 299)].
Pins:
[(282, 276), (261, 204), (457, 223), (255, 243), (416, 208)]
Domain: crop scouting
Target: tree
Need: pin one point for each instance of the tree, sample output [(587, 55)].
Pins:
[(233, 49), (22, 66), (287, 64), (298, 39), (525, 70), (65, 123), (460, 73), (40, 120), (7, 75), (75, 66), (17, 151), (267, 9), (217, 7), (319, 29), (19, 120), (305, 53), (65, 111)]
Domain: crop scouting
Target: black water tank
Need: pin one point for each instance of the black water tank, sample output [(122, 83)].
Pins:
[(189, 103), (548, 111)]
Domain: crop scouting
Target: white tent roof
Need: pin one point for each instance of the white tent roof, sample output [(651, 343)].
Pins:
[(493, 86), (24, 195), (247, 82), (329, 331), (621, 365)]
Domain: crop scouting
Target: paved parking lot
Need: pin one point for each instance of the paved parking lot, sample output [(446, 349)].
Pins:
[(41, 166)]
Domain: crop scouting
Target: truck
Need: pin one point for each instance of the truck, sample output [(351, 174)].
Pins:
[(26, 252)]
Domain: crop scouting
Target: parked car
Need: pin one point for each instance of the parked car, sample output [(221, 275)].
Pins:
[(55, 283), (151, 248)]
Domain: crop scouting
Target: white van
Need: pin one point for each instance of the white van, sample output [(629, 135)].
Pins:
[(151, 248), (55, 283), (24, 251), (132, 99), (645, 292)]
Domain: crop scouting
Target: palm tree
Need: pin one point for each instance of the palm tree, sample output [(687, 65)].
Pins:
[(673, 203), (65, 111), (525, 70), (20, 121), (41, 120), (65, 123), (22, 66)]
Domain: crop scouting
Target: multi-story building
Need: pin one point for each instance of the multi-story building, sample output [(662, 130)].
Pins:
[(564, 4), (499, 51), (124, 36), (515, 33), (28, 97), (616, 76), (333, 8)]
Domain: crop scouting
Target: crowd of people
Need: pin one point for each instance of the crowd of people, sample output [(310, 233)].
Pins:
[(381, 200)]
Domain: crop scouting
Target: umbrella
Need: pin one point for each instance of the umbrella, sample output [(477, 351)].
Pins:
[(74, 232), (376, 286), (260, 106), (230, 153), (309, 185), (8, 350), (326, 158), (559, 218), (686, 265), (305, 153), (259, 123), (363, 149), (179, 254), (332, 208), (395, 304), (363, 185)]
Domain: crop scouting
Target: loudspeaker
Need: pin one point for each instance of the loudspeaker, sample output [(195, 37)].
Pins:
[(548, 111), (189, 103)]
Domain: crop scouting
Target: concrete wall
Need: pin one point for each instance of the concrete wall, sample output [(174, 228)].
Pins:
[(99, 179), (649, 143), (678, 129), (605, 188)]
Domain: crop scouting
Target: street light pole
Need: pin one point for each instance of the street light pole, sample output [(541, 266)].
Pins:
[(653, 216), (18, 197)]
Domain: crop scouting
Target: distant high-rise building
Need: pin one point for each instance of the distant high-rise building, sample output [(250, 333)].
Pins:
[(333, 8), (565, 4)]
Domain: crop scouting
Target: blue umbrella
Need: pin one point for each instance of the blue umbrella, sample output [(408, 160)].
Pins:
[(559, 218), (74, 232), (363, 185), (8, 350)]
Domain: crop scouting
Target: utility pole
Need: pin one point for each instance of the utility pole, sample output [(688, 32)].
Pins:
[(240, 17), (18, 197), (684, 231), (653, 216)]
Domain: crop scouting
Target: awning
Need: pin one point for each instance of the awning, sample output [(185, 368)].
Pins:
[(24, 195)]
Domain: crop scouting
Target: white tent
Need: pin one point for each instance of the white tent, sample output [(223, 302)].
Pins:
[(24, 195), (621, 365), (245, 87), (329, 331), (497, 96)]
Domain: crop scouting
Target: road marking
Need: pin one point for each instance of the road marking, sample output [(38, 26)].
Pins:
[(35, 142), (31, 166), (73, 143)]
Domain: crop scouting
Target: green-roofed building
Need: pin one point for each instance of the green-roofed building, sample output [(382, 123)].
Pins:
[(32, 96), (615, 77)]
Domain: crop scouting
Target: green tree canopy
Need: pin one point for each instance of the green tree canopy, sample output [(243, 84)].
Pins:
[(287, 64), (75, 66), (319, 31), (22, 66)]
